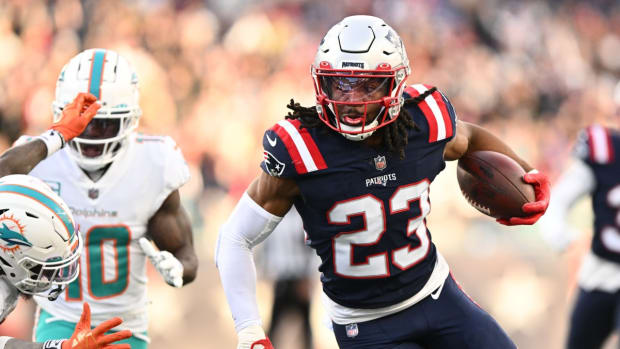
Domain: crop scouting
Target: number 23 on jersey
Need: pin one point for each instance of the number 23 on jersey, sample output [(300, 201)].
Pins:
[(373, 213)]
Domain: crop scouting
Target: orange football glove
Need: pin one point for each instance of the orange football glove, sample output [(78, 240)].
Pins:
[(86, 338), (76, 115)]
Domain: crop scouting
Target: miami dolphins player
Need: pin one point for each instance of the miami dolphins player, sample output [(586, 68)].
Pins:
[(358, 168), (594, 172), (39, 244), (121, 187)]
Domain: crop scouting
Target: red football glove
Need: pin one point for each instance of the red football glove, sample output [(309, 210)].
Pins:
[(85, 338), (76, 115), (542, 192), (253, 337), (262, 344)]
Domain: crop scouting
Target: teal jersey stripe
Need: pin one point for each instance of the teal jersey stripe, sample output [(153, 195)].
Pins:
[(96, 72), (46, 201)]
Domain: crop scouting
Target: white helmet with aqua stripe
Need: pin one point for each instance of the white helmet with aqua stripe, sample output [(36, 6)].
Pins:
[(110, 78), (39, 243)]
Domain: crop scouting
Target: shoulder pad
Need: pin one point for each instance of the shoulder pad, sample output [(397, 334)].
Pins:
[(594, 145), (434, 114), (290, 151)]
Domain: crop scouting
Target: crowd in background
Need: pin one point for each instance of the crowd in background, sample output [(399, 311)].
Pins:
[(215, 74)]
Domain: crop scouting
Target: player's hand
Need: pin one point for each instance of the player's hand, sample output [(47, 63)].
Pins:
[(76, 115), (165, 262), (534, 210), (86, 338), (253, 337)]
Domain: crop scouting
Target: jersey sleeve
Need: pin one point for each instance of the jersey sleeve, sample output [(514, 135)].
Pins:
[(594, 146), (434, 115), (290, 151), (175, 170), (277, 161)]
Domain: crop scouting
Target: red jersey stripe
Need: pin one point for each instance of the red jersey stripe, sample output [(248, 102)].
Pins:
[(311, 144), (444, 111), (426, 110), (291, 148), (599, 142)]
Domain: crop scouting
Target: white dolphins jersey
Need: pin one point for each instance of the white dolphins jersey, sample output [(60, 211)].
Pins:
[(112, 215)]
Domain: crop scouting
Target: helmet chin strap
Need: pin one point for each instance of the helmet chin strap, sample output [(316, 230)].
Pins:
[(54, 293)]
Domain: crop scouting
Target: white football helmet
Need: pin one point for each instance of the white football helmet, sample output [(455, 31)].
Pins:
[(40, 246), (360, 52), (110, 78)]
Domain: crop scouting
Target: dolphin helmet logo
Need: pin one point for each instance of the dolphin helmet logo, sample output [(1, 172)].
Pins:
[(12, 239)]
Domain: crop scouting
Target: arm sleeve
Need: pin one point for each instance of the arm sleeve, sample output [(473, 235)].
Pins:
[(248, 225), (577, 181)]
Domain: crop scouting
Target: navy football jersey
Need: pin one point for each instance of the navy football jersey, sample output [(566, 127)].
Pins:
[(599, 148), (363, 208)]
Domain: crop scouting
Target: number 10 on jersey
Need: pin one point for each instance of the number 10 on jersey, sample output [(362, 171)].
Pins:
[(119, 237)]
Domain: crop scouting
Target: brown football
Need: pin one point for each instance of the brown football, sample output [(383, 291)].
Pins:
[(492, 183)]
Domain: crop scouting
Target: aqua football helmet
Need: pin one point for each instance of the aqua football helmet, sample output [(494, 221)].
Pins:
[(40, 246), (110, 78), (360, 65)]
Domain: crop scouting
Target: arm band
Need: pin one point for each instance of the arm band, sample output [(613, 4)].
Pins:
[(53, 140)]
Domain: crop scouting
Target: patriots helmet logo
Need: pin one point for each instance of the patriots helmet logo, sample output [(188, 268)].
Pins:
[(11, 234), (275, 166)]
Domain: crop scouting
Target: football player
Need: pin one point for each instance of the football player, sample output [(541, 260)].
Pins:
[(123, 190), (39, 243), (594, 172), (358, 167)]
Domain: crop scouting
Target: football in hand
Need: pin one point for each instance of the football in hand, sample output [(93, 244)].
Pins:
[(493, 184)]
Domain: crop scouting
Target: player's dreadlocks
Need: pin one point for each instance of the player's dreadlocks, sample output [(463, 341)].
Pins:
[(394, 134)]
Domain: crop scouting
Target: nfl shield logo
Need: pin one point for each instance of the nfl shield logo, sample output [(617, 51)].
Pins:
[(93, 193), (380, 163), (352, 330)]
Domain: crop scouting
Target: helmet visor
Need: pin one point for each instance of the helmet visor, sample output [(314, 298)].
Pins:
[(355, 89), (101, 129)]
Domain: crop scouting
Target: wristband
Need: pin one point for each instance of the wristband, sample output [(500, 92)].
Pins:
[(54, 141), (53, 344)]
